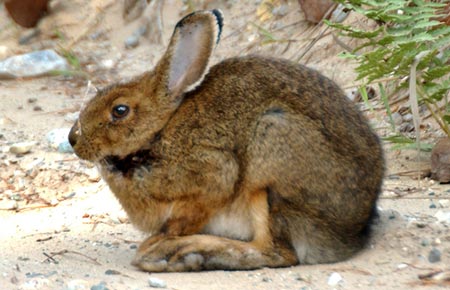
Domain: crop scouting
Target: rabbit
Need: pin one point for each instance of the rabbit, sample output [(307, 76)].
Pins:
[(253, 162)]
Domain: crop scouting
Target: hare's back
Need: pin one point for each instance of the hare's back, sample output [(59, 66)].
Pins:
[(242, 89)]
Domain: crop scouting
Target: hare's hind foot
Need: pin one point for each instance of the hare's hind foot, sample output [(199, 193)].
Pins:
[(206, 252)]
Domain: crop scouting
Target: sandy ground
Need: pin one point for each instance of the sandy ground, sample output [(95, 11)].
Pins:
[(61, 228)]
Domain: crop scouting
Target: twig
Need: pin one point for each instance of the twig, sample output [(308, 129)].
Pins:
[(347, 269), (90, 26), (60, 253), (423, 268), (415, 198), (341, 43), (36, 207), (382, 80), (50, 258), (411, 172), (320, 35)]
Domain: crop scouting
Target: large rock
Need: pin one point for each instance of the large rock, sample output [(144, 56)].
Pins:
[(440, 161)]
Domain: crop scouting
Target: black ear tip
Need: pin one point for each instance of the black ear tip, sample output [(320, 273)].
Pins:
[(219, 18)]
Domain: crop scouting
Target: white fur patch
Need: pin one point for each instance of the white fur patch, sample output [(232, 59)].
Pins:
[(231, 225), (301, 248)]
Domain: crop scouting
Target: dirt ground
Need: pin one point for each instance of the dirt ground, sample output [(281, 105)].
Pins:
[(61, 228)]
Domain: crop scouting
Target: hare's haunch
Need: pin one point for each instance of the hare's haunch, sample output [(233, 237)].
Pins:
[(258, 162)]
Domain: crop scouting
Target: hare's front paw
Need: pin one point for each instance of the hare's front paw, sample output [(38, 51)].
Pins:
[(171, 254), (204, 252)]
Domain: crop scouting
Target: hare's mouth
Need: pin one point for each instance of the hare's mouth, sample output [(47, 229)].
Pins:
[(127, 165)]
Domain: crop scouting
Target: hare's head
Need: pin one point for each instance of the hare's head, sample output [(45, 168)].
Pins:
[(124, 118)]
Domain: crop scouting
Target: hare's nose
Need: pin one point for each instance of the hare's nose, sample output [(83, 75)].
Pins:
[(74, 134)]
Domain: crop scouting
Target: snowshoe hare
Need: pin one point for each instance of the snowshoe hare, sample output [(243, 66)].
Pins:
[(258, 162)]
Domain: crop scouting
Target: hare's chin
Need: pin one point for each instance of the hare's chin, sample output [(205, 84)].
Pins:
[(127, 164)]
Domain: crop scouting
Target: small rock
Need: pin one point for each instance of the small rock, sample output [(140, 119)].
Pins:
[(157, 283), (334, 279), (32, 274), (132, 41), (32, 64), (71, 117), (4, 51), (100, 286), (21, 148), (406, 127), (444, 203), (434, 256), (281, 10), (93, 174), (65, 147), (432, 205), (112, 272), (436, 242), (402, 266), (77, 284), (425, 242), (28, 35), (443, 216), (339, 14), (36, 283), (108, 63), (408, 117), (6, 121), (59, 139), (8, 205), (394, 177)]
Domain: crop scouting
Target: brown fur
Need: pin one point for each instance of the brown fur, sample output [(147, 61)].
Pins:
[(265, 163)]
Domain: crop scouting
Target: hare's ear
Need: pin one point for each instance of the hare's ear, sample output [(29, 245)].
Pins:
[(185, 62)]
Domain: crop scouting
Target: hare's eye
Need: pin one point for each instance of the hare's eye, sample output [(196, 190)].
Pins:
[(120, 111)]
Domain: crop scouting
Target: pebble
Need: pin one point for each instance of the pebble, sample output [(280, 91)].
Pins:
[(398, 119), (108, 63), (28, 35), (436, 242), (93, 174), (71, 117), (339, 14), (434, 256), (402, 266), (21, 148), (425, 242), (443, 216), (100, 286), (35, 283), (8, 205), (65, 147), (112, 272), (334, 279), (59, 139), (132, 41), (408, 117), (156, 283), (444, 203), (281, 10), (77, 284), (4, 51)]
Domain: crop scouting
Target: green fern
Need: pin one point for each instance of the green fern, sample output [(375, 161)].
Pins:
[(405, 29)]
